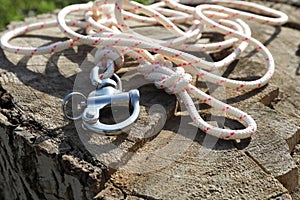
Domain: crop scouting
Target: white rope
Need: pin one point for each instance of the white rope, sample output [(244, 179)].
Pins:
[(175, 81), (105, 24)]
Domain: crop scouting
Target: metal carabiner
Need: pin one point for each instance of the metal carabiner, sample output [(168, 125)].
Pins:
[(109, 93)]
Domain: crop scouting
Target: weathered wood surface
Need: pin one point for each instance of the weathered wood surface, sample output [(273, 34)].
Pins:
[(44, 157)]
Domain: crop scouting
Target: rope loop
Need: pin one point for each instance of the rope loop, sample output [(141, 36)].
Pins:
[(166, 61), (172, 79), (108, 59)]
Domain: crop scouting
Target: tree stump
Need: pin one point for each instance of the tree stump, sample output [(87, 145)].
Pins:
[(163, 156)]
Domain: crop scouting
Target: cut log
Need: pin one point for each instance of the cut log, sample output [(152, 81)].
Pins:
[(163, 156)]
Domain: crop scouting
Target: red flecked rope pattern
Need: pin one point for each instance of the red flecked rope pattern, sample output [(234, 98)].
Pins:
[(105, 22)]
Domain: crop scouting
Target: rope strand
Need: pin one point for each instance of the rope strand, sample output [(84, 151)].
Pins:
[(106, 28)]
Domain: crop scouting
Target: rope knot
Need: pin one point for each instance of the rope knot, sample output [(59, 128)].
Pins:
[(173, 79), (175, 83)]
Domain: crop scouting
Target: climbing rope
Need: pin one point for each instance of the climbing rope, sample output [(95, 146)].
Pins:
[(166, 62)]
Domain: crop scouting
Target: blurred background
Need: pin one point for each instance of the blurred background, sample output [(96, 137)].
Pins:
[(19, 9)]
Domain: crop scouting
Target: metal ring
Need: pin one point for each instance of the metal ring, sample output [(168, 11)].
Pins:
[(118, 80), (66, 100)]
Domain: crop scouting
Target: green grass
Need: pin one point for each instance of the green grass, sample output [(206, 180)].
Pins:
[(19, 9)]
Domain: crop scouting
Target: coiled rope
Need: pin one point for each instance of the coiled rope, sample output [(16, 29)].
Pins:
[(106, 28)]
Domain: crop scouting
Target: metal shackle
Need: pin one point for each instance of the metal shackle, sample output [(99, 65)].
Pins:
[(109, 94)]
